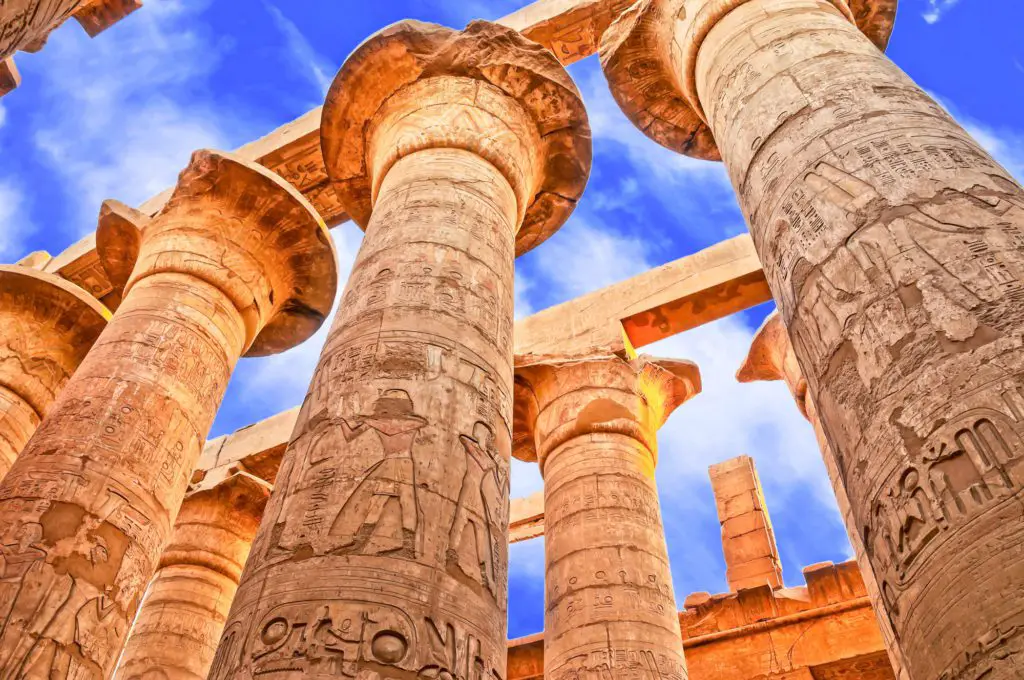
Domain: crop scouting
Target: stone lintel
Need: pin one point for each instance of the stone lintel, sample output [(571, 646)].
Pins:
[(99, 15), (713, 283), (526, 518), (827, 629), (748, 541)]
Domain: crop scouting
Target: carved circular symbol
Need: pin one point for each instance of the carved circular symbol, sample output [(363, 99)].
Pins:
[(388, 647), (274, 631)]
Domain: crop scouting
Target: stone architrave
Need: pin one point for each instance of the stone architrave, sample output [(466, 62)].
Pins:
[(591, 424), (26, 24), (383, 551), (236, 263), (175, 634), (771, 357), (894, 247), (47, 326)]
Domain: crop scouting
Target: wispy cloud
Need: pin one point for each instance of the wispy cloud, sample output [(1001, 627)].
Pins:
[(937, 9), (127, 130), (313, 65), (14, 225)]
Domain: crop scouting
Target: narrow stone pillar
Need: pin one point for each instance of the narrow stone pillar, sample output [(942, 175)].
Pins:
[(47, 326), (748, 540), (237, 262), (591, 424), (383, 552), (175, 634), (771, 357), (894, 248)]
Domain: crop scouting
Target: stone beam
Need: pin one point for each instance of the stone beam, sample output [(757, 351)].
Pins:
[(570, 28), (691, 291)]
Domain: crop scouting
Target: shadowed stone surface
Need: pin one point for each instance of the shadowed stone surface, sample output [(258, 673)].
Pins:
[(591, 425), (47, 326), (387, 530), (771, 357), (894, 248), (176, 632), (221, 271)]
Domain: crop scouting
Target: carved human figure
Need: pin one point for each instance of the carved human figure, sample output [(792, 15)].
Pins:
[(180, 621), (47, 325), (591, 424), (237, 262), (894, 248), (384, 550)]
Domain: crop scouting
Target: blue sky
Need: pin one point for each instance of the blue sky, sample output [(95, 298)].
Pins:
[(118, 116)]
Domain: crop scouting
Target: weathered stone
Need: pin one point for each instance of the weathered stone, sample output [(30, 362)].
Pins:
[(748, 540), (237, 262), (388, 527), (591, 424), (47, 326), (894, 248), (9, 76), (771, 357), (175, 634)]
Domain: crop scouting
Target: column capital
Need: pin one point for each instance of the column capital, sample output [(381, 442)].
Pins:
[(559, 398), (239, 227), (771, 357), (487, 89), (47, 326), (227, 504), (649, 57)]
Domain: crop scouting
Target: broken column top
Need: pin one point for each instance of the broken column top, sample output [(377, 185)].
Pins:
[(49, 320), (542, 146), (242, 228), (651, 76), (748, 541), (771, 357)]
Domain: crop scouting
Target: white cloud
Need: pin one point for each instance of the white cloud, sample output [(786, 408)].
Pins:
[(121, 115), (3, 116), (312, 64), (937, 9), (13, 226)]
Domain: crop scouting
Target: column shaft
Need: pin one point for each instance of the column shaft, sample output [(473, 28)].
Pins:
[(609, 601), (18, 420), (893, 245), (101, 480), (180, 621), (388, 527)]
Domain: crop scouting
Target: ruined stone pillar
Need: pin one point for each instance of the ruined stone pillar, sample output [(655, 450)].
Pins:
[(237, 262), (771, 357), (182, 617), (383, 552), (47, 326), (591, 424), (894, 248), (26, 24)]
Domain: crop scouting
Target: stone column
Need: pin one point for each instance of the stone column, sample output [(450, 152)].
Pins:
[(47, 326), (591, 424), (175, 634), (771, 357), (237, 262), (383, 552), (894, 248)]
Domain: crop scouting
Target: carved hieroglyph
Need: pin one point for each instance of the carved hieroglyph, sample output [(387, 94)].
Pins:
[(47, 326), (175, 634), (894, 247), (591, 424), (771, 357), (236, 262), (25, 24), (383, 552)]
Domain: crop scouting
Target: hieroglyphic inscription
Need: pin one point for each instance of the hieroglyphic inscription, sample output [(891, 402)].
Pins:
[(892, 244)]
